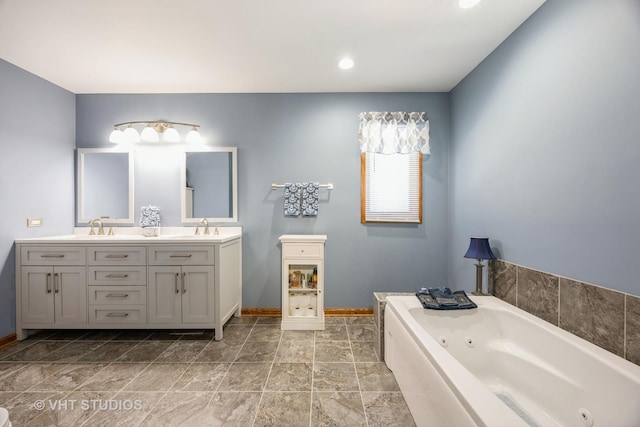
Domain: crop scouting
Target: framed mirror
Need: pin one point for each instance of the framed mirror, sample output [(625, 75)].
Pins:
[(105, 185), (209, 185)]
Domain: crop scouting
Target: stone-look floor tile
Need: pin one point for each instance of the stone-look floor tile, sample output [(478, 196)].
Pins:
[(157, 377), (100, 335), (237, 333), (265, 333), (333, 351), (6, 396), (67, 335), (279, 408), (28, 376), (146, 351), (359, 320), (231, 409), (113, 377), (72, 351), (502, 280), (538, 294), (22, 408), (69, 377), (108, 352), (40, 335), (200, 335), (258, 351), (7, 368), (247, 321), (132, 335), (219, 351), (334, 320), (35, 352), (131, 409), (245, 377), (298, 336), (386, 409), (269, 321), (295, 351), (334, 377), (164, 335), (337, 409), (360, 332), (181, 351), (593, 313), (290, 377), (178, 409), (15, 347), (375, 376), (364, 351), (202, 377), (633, 329), (74, 409), (333, 332)]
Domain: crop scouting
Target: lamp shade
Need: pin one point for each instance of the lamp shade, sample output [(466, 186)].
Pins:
[(479, 249)]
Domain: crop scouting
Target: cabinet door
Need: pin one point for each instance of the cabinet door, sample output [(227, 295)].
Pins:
[(165, 290), (70, 295), (197, 294), (36, 287)]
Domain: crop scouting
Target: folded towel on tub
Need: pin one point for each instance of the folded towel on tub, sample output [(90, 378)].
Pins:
[(291, 199)]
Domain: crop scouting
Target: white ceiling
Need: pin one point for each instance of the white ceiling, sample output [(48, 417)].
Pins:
[(209, 46)]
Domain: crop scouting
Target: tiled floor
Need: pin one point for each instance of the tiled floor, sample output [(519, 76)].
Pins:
[(256, 376)]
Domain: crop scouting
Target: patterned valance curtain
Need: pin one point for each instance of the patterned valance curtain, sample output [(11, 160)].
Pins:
[(396, 132)]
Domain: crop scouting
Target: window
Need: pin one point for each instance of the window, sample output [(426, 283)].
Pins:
[(391, 187)]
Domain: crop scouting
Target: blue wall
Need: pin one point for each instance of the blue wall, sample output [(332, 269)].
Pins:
[(37, 139), (294, 137), (545, 148)]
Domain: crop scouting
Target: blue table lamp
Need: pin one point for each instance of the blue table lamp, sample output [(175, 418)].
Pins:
[(479, 249)]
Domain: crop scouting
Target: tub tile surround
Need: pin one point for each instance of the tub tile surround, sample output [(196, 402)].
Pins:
[(255, 376), (607, 318)]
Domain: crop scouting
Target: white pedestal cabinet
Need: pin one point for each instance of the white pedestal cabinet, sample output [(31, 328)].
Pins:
[(302, 282)]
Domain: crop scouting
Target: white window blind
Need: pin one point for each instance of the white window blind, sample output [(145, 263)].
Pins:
[(391, 187)]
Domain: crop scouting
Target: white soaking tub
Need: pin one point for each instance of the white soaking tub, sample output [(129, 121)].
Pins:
[(500, 366)]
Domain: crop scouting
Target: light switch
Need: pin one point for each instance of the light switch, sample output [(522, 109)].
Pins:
[(34, 222)]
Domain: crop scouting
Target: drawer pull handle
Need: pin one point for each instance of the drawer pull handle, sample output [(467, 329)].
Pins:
[(177, 278), (116, 314), (116, 276), (180, 256), (55, 283), (117, 296), (52, 256), (48, 283), (117, 256)]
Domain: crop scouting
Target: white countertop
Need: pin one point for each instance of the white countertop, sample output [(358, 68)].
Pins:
[(133, 234)]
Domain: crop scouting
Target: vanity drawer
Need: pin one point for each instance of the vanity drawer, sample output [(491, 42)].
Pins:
[(109, 276), (134, 314), (302, 250), (52, 255), (116, 255), (117, 295), (181, 255)]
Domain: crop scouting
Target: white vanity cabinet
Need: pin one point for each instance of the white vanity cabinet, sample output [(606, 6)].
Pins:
[(72, 282), (302, 282)]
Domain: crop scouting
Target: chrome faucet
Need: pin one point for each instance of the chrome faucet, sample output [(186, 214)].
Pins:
[(100, 227), (205, 222)]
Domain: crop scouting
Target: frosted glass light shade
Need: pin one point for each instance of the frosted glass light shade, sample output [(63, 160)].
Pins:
[(193, 137), (149, 134), (466, 4), (171, 135), (131, 135), (117, 136)]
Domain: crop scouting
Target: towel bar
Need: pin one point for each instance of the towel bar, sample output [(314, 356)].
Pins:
[(327, 186)]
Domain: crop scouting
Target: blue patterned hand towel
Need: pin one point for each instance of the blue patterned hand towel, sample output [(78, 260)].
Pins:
[(310, 192), (149, 216), (291, 199)]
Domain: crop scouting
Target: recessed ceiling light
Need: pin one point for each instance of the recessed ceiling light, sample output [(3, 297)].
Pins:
[(345, 63), (466, 4)]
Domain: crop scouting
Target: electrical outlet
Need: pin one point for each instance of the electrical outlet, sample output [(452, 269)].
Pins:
[(34, 222)]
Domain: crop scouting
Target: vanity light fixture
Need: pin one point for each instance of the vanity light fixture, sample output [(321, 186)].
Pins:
[(151, 132), (346, 63), (466, 4)]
